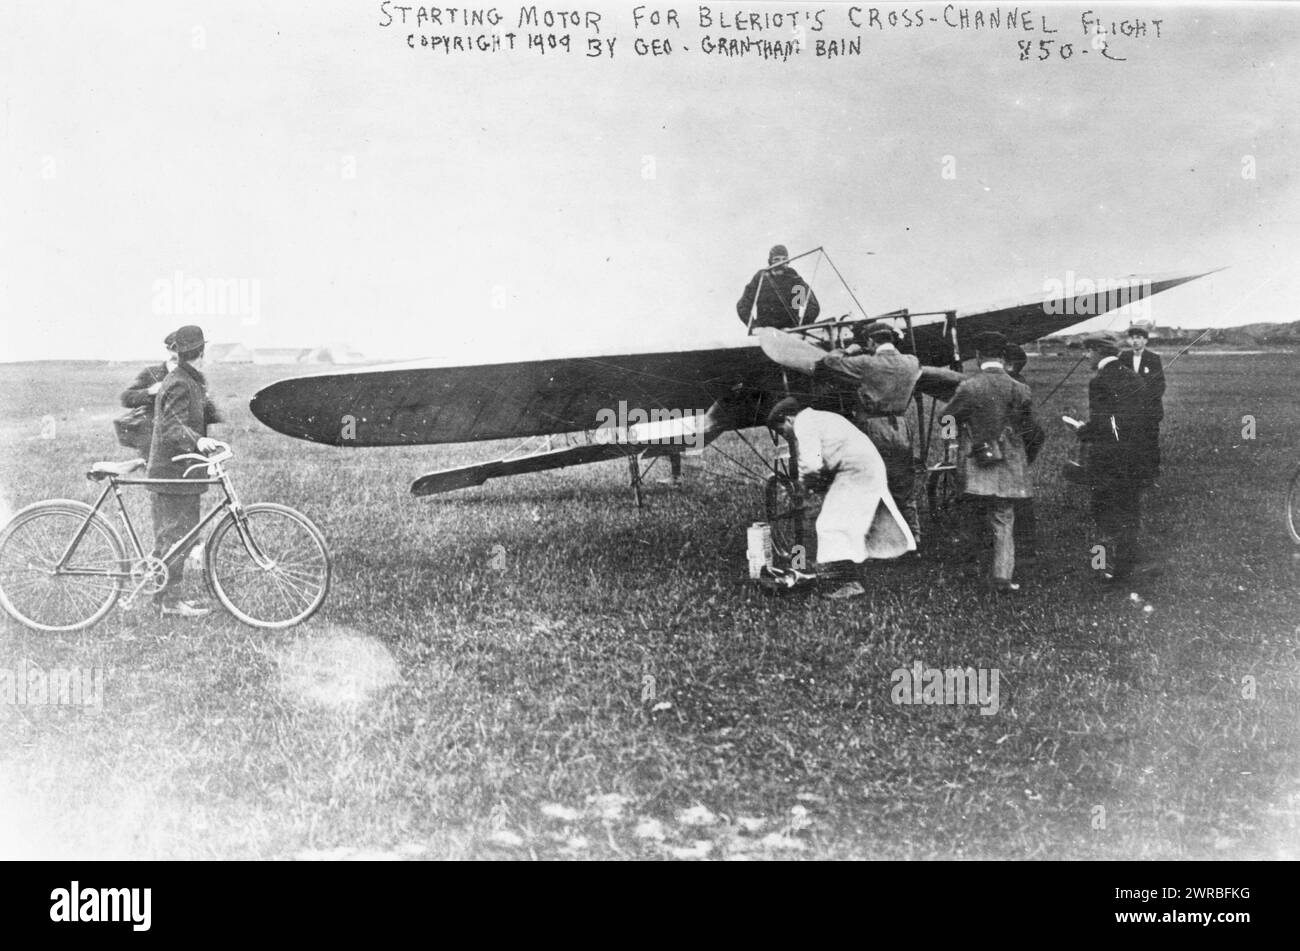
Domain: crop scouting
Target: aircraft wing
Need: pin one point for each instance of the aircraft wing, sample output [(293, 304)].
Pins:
[(1023, 321), (423, 403)]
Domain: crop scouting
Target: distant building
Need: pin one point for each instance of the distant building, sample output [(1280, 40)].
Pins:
[(317, 355), (227, 353), (264, 356), (279, 356), (334, 353), (342, 353)]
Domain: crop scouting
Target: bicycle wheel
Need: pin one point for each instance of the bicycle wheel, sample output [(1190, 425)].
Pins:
[(1293, 507), (268, 566), (33, 593)]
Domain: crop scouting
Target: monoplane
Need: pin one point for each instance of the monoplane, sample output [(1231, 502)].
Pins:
[(644, 406)]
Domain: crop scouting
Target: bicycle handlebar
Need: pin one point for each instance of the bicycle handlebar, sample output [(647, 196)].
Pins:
[(222, 453)]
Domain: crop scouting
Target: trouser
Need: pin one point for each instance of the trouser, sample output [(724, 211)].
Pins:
[(1001, 517), (1145, 440), (173, 516), (1026, 529), (893, 440), (996, 517), (1117, 510)]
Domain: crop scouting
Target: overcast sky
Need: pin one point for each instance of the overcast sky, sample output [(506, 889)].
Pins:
[(480, 206)]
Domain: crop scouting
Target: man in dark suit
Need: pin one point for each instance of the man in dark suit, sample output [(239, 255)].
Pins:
[(777, 296), (1114, 469), (182, 412), (1146, 424), (997, 423)]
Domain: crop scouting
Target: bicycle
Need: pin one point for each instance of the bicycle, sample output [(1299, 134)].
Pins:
[(63, 566)]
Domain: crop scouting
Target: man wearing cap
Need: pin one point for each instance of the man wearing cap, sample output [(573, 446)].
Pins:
[(995, 413), (182, 413), (1150, 402), (884, 380), (142, 393), (777, 296), (858, 518), (1114, 469)]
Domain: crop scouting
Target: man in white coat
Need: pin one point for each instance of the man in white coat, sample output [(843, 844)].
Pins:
[(859, 518)]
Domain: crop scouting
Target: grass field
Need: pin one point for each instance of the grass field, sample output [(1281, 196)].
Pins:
[(616, 688)]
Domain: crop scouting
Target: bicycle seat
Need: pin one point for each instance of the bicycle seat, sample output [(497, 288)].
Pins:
[(102, 470)]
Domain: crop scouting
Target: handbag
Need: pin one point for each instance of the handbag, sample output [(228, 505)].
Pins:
[(135, 429), (989, 452)]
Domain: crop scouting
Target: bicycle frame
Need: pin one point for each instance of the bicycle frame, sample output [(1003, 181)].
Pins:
[(230, 502)]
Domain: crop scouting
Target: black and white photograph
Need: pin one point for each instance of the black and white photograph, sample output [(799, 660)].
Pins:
[(763, 431)]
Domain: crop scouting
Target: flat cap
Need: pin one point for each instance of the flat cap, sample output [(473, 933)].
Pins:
[(186, 339), (782, 411), (879, 328)]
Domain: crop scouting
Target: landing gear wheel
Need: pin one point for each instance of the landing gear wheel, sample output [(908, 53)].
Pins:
[(784, 504)]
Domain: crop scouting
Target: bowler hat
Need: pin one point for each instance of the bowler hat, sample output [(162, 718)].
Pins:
[(991, 343), (186, 339)]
